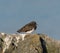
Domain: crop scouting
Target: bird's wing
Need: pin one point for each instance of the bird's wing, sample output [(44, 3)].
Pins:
[(25, 29)]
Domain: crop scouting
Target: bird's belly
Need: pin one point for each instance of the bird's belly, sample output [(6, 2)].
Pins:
[(30, 31)]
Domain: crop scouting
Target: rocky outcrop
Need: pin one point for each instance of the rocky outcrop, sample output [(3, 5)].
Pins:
[(32, 43)]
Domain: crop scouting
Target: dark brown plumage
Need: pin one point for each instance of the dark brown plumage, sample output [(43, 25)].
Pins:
[(28, 27)]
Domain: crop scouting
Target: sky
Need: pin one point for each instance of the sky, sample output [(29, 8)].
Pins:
[(16, 13)]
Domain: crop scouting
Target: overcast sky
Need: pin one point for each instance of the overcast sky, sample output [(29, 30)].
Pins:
[(16, 13)]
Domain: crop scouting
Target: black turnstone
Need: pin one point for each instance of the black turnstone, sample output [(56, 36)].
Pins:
[(28, 28)]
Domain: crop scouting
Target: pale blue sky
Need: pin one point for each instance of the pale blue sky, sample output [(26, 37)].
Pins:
[(16, 13)]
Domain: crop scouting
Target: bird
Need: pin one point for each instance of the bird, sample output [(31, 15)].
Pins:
[(28, 28)]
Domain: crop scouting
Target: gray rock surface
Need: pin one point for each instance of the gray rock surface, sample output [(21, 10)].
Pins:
[(33, 43)]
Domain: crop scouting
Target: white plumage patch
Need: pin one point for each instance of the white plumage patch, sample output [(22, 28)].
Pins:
[(30, 31)]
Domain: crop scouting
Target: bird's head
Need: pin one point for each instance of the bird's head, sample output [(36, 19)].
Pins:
[(33, 23)]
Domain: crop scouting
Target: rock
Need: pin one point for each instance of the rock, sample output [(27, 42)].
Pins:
[(32, 43)]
